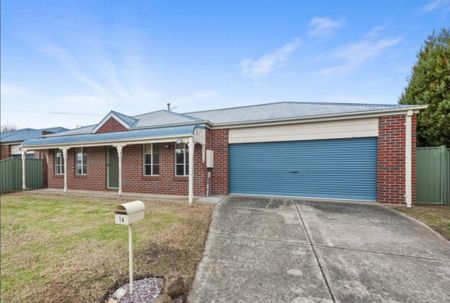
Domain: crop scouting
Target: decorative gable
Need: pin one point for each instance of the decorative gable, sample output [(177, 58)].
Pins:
[(110, 126), (114, 122)]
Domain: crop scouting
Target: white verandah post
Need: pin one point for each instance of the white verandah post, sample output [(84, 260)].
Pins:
[(64, 153), (191, 169), (24, 177), (119, 148)]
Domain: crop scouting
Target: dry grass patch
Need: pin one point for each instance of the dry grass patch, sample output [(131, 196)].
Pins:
[(68, 249), (435, 216)]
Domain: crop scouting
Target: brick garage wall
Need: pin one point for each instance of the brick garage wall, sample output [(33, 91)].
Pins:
[(112, 125), (219, 175), (5, 151), (391, 159)]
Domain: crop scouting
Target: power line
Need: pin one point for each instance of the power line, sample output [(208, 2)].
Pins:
[(54, 113)]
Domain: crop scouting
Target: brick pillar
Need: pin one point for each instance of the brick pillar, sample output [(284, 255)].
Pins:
[(391, 159)]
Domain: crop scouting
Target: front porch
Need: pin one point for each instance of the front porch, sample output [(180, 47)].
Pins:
[(156, 162)]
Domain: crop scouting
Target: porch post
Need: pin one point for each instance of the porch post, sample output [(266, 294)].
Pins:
[(64, 152), (191, 169), (119, 155), (24, 177)]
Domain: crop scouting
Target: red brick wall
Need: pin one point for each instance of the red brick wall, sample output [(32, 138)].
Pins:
[(391, 159), (219, 175), (5, 151), (112, 125), (166, 183), (53, 180), (95, 179), (132, 171)]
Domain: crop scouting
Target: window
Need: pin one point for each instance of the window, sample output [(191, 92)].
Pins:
[(151, 159), (59, 162), (181, 160), (80, 161)]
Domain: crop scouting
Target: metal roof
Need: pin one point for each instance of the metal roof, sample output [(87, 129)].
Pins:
[(130, 121), (280, 111), (286, 110), (163, 117), (132, 135), (27, 133)]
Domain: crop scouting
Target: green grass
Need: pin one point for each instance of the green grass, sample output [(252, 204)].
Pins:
[(435, 216), (68, 249)]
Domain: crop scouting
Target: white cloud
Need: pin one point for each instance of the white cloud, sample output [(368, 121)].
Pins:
[(351, 56), (256, 68), (323, 26), (437, 5)]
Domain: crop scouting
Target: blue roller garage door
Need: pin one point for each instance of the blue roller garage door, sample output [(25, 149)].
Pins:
[(337, 168)]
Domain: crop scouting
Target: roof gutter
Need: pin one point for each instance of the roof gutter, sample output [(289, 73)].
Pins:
[(107, 143)]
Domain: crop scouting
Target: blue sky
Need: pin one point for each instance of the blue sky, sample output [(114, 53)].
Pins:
[(135, 56)]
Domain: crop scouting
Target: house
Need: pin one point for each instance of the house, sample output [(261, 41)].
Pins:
[(363, 152), (10, 141)]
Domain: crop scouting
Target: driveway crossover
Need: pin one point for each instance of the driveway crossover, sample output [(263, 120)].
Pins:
[(284, 250)]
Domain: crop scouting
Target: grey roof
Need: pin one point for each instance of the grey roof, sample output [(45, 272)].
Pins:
[(244, 114), (130, 121), (27, 133), (163, 117), (133, 135), (286, 111)]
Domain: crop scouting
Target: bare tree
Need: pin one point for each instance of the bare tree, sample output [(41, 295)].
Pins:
[(7, 127)]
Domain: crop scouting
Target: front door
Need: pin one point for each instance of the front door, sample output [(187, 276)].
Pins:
[(112, 164)]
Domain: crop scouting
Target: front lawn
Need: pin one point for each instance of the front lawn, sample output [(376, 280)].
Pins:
[(435, 216), (68, 249)]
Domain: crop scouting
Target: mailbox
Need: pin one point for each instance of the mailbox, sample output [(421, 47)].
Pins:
[(128, 213)]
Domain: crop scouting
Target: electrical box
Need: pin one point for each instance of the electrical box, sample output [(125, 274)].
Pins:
[(128, 213), (209, 158)]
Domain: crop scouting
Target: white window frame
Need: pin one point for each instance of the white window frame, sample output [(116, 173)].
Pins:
[(59, 165), (83, 164), (185, 160), (152, 164)]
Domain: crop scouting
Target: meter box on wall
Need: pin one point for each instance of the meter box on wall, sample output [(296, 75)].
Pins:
[(209, 159)]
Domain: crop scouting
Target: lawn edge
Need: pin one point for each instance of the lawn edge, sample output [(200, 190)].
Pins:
[(392, 208)]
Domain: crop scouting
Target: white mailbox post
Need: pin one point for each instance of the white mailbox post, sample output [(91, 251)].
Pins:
[(127, 214)]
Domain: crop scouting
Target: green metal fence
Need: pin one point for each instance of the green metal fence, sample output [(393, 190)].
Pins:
[(11, 174), (433, 175)]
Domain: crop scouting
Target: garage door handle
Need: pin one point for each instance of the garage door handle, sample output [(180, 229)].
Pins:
[(293, 172)]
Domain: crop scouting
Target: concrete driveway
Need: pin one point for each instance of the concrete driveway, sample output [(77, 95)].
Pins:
[(284, 250)]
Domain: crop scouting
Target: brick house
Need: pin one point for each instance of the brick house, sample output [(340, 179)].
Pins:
[(363, 152)]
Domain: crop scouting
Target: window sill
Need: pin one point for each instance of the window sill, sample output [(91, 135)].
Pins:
[(58, 175)]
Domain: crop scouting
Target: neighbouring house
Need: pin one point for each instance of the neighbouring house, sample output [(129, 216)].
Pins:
[(363, 152), (10, 141)]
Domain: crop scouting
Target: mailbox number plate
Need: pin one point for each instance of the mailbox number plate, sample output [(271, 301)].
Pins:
[(122, 219)]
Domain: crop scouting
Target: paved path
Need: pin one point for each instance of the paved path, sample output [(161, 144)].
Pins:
[(281, 250)]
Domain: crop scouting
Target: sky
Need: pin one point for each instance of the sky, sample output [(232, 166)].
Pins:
[(68, 63)]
